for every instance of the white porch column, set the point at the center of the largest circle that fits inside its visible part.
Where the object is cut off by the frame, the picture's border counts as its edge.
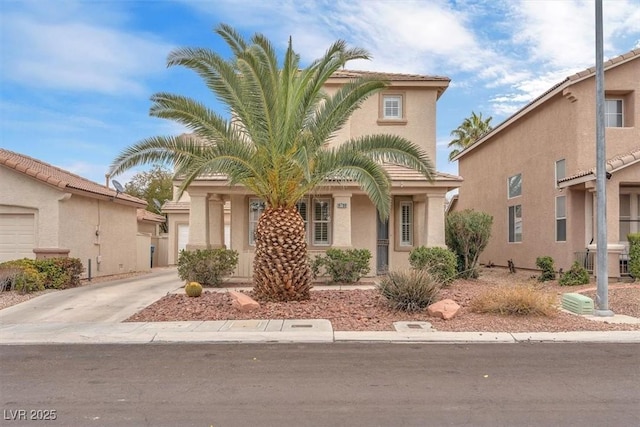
(420, 215)
(216, 221)
(435, 220)
(198, 222)
(342, 220)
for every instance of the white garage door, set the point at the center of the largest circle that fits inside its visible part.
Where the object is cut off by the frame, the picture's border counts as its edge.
(17, 236)
(183, 236)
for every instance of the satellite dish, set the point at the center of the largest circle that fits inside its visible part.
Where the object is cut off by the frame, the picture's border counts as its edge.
(119, 188)
(158, 204)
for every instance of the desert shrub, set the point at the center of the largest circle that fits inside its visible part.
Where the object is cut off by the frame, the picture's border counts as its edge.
(467, 234)
(410, 290)
(634, 255)
(343, 266)
(24, 275)
(60, 272)
(577, 275)
(207, 266)
(514, 300)
(441, 262)
(545, 263)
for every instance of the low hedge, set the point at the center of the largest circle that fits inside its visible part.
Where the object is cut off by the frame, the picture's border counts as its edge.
(30, 275)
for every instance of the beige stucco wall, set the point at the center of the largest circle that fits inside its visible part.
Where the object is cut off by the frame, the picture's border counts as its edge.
(562, 128)
(419, 126)
(69, 221)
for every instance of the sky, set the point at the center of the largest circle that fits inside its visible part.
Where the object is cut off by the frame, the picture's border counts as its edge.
(76, 76)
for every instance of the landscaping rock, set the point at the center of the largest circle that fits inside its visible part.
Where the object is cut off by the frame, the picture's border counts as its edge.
(445, 309)
(243, 302)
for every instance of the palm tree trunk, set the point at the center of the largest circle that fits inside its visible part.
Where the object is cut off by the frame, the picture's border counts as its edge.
(281, 270)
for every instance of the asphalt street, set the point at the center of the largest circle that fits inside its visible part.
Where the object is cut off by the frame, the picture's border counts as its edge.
(221, 385)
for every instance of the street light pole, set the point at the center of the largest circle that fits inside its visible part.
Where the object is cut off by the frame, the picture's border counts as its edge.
(602, 294)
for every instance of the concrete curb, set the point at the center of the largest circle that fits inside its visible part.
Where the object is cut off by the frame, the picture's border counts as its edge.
(272, 331)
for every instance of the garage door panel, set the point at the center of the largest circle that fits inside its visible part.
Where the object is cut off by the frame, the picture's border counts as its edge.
(17, 236)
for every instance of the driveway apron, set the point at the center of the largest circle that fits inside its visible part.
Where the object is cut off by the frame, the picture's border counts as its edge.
(101, 302)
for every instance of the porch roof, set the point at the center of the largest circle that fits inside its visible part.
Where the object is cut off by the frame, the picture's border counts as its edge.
(613, 165)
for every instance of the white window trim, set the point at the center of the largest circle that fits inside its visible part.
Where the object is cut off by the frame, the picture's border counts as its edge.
(315, 221)
(409, 224)
(399, 99)
(306, 201)
(509, 196)
(560, 218)
(251, 230)
(616, 114)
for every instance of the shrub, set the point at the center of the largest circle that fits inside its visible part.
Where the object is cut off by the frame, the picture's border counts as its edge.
(577, 275)
(545, 263)
(514, 300)
(344, 266)
(23, 275)
(193, 289)
(61, 273)
(467, 234)
(634, 255)
(441, 262)
(411, 290)
(207, 266)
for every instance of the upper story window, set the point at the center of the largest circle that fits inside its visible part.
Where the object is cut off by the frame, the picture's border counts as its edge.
(514, 186)
(613, 113)
(561, 170)
(392, 109)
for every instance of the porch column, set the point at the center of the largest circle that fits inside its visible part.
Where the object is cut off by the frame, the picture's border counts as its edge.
(420, 215)
(216, 221)
(435, 220)
(198, 222)
(342, 220)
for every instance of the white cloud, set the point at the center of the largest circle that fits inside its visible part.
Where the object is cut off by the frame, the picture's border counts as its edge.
(80, 56)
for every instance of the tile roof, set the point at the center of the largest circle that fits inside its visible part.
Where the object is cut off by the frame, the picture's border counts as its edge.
(145, 215)
(613, 164)
(60, 178)
(401, 173)
(389, 76)
(171, 206)
(568, 81)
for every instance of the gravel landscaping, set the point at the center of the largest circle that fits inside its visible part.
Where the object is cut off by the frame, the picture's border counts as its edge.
(365, 310)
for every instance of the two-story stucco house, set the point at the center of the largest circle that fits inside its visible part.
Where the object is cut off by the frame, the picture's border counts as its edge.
(535, 172)
(338, 215)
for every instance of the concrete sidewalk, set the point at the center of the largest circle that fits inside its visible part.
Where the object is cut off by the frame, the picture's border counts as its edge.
(94, 314)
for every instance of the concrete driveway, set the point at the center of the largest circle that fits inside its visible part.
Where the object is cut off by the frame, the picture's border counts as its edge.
(101, 302)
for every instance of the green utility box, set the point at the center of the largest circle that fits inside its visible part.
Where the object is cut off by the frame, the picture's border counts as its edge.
(577, 303)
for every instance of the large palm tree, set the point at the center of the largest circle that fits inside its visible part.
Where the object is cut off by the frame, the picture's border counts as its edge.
(275, 143)
(471, 128)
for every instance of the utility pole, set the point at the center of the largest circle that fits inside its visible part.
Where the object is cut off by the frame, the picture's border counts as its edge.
(602, 294)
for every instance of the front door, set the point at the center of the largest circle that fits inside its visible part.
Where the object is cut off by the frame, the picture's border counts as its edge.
(382, 253)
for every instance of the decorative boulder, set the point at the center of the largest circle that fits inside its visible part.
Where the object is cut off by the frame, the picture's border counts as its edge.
(445, 309)
(243, 302)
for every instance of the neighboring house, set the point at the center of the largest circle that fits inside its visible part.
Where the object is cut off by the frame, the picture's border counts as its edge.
(535, 172)
(149, 225)
(46, 211)
(338, 214)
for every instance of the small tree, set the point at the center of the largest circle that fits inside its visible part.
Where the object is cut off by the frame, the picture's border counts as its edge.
(634, 255)
(467, 234)
(155, 184)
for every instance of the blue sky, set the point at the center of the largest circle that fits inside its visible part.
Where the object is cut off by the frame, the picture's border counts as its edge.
(76, 76)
